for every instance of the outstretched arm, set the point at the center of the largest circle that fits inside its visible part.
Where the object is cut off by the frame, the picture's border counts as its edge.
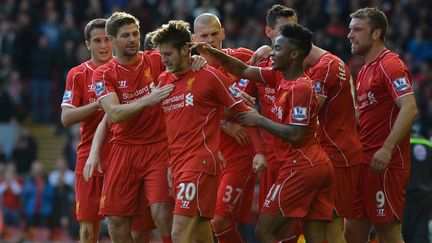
(231, 64)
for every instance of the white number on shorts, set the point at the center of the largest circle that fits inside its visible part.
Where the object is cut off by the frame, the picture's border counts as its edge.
(228, 193)
(273, 192)
(188, 190)
(380, 199)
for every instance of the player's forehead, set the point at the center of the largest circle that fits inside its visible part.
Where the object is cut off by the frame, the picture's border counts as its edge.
(127, 28)
(202, 29)
(359, 23)
(166, 47)
(97, 33)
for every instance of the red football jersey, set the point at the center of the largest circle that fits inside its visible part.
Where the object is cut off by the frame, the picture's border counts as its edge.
(337, 130)
(229, 146)
(130, 83)
(296, 104)
(79, 92)
(267, 97)
(192, 118)
(379, 85)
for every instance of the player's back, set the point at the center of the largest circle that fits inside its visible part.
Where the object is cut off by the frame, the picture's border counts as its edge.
(337, 131)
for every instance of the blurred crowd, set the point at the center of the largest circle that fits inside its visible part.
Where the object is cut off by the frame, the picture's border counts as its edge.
(40, 40)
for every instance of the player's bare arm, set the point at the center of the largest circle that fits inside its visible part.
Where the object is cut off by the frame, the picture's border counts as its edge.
(293, 134)
(99, 138)
(120, 112)
(407, 114)
(231, 64)
(73, 115)
(260, 54)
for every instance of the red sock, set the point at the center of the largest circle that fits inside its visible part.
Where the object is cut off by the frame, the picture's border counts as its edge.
(230, 235)
(167, 239)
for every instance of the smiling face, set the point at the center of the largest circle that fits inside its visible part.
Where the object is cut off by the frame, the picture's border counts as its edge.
(127, 40)
(281, 55)
(361, 36)
(100, 46)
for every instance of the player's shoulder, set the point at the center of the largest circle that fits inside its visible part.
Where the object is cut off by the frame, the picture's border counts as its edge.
(151, 55)
(240, 53)
(391, 61)
(302, 82)
(81, 68)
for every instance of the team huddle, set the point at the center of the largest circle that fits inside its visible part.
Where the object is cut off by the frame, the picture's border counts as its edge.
(175, 142)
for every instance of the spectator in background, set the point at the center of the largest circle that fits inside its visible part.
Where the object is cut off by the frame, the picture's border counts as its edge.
(41, 83)
(38, 197)
(25, 152)
(62, 180)
(11, 187)
(23, 43)
(7, 37)
(50, 28)
(420, 47)
(6, 104)
(20, 96)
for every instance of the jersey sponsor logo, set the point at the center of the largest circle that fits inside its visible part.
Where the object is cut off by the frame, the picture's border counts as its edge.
(420, 152)
(243, 82)
(67, 96)
(189, 99)
(122, 84)
(299, 113)
(371, 98)
(401, 84)
(317, 86)
(99, 88)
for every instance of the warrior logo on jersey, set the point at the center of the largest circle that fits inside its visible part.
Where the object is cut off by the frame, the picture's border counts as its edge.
(317, 86)
(401, 84)
(243, 82)
(299, 113)
(67, 96)
(122, 84)
(99, 88)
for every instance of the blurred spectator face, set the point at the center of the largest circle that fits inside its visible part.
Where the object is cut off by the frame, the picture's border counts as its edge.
(37, 170)
(212, 34)
(361, 36)
(281, 21)
(10, 171)
(100, 46)
(43, 42)
(61, 165)
(127, 40)
(2, 170)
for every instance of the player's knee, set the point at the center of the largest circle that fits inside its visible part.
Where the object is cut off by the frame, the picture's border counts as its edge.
(87, 231)
(119, 225)
(162, 215)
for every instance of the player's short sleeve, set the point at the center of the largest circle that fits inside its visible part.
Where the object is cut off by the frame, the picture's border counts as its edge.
(324, 77)
(154, 59)
(270, 77)
(397, 78)
(103, 84)
(301, 102)
(218, 82)
(74, 90)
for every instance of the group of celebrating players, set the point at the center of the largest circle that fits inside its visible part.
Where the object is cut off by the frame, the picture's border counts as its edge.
(175, 141)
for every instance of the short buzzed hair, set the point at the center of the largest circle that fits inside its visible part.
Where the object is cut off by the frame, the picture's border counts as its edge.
(117, 20)
(94, 24)
(278, 11)
(176, 32)
(298, 34)
(207, 19)
(376, 17)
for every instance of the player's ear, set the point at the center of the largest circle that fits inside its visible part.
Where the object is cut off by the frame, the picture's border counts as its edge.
(193, 37)
(268, 31)
(185, 50)
(376, 34)
(87, 44)
(222, 34)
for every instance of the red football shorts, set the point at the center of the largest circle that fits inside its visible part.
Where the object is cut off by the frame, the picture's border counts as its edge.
(385, 194)
(346, 182)
(236, 187)
(303, 193)
(268, 176)
(136, 178)
(195, 194)
(87, 197)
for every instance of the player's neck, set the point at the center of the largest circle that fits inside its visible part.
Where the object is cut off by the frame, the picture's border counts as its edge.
(374, 52)
(184, 68)
(313, 57)
(127, 60)
(293, 72)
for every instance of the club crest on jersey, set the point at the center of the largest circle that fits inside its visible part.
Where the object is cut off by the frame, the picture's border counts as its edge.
(99, 88)
(401, 84)
(67, 96)
(317, 86)
(243, 82)
(299, 113)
